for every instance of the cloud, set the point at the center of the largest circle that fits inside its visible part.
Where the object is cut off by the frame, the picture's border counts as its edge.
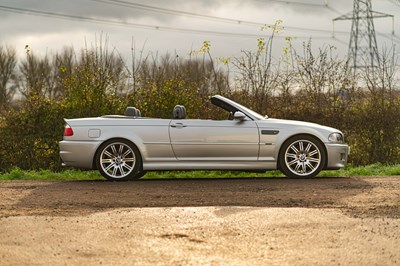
(46, 33)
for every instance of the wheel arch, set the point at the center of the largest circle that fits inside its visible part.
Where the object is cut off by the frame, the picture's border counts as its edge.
(325, 151)
(94, 165)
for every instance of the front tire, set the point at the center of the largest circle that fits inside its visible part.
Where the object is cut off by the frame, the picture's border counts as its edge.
(140, 174)
(118, 160)
(302, 156)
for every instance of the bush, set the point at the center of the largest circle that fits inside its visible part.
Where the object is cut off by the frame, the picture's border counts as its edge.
(30, 136)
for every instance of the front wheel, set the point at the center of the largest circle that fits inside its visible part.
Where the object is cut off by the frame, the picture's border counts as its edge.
(302, 156)
(118, 160)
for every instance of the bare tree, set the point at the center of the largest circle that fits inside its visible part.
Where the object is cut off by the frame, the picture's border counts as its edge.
(324, 82)
(8, 62)
(35, 77)
(256, 73)
(63, 66)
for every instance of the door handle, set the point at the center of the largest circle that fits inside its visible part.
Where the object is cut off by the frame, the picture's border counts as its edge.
(179, 125)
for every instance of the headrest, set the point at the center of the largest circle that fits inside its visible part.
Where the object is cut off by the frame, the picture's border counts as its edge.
(179, 112)
(132, 111)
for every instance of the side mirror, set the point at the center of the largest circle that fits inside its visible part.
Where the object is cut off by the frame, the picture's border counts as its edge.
(239, 116)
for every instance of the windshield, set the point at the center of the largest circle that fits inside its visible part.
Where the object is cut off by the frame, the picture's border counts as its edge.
(255, 114)
(232, 106)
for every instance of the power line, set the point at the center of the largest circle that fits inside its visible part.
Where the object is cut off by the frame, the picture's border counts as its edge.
(230, 20)
(162, 28)
(324, 5)
(123, 23)
(137, 25)
(292, 3)
(170, 11)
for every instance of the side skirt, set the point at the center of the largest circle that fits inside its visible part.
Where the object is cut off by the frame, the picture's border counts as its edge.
(190, 165)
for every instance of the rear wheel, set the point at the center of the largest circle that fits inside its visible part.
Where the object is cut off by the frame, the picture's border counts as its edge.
(119, 160)
(302, 156)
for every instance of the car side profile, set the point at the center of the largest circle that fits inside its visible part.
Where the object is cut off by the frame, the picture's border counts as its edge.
(125, 147)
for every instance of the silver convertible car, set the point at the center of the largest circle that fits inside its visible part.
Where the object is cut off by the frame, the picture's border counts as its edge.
(125, 147)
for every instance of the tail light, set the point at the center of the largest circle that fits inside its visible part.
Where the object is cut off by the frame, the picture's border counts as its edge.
(68, 131)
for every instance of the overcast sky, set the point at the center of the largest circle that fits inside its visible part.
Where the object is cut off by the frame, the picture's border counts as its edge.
(168, 30)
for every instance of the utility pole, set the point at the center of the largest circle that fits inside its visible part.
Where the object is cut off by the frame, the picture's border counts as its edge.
(363, 48)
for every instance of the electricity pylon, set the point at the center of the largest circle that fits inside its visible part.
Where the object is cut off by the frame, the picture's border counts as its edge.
(363, 48)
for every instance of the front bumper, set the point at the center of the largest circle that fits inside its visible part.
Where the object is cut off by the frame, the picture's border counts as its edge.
(78, 154)
(337, 155)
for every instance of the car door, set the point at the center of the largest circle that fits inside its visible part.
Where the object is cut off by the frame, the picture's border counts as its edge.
(214, 140)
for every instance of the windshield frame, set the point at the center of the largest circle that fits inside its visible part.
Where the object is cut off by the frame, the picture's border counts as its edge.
(232, 106)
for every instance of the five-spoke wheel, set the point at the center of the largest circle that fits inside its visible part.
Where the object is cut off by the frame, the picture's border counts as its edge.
(119, 160)
(302, 156)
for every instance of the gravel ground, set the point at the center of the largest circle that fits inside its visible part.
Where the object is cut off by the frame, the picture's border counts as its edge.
(322, 221)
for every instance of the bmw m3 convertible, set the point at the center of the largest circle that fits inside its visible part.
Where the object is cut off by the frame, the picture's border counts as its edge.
(125, 147)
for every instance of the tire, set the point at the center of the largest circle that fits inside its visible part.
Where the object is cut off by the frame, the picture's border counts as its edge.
(119, 160)
(140, 174)
(302, 156)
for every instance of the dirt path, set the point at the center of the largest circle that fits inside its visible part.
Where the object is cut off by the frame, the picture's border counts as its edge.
(325, 221)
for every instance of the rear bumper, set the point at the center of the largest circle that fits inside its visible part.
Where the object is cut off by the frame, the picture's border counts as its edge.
(337, 156)
(78, 154)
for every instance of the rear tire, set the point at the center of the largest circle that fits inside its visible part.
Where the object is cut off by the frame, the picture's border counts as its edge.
(302, 156)
(119, 160)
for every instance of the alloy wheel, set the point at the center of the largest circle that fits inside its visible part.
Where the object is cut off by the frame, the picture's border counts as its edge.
(302, 157)
(117, 160)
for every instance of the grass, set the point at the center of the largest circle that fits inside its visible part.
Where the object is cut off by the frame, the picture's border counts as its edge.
(18, 174)
(369, 170)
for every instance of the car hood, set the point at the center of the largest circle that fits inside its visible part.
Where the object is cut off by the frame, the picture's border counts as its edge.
(282, 123)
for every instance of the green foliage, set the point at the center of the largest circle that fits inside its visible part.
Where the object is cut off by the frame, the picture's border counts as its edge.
(159, 101)
(94, 85)
(30, 136)
(88, 95)
(373, 130)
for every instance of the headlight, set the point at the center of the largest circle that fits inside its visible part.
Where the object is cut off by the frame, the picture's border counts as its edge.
(336, 137)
